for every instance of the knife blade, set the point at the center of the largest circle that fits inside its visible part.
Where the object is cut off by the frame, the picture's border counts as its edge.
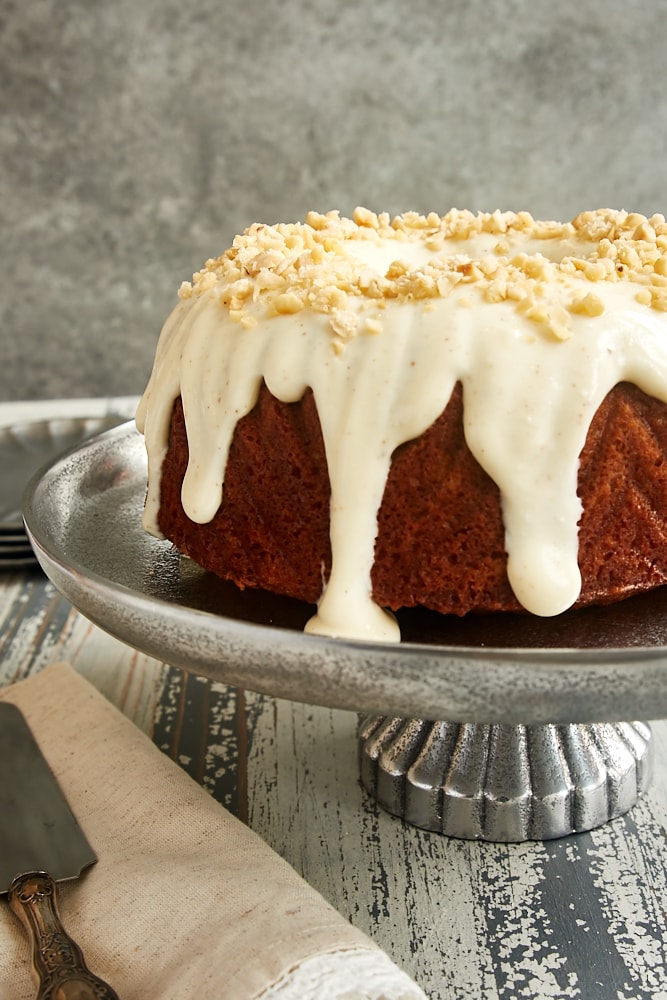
(41, 844)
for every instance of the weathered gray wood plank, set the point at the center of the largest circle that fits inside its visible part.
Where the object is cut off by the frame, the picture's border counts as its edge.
(581, 918)
(38, 626)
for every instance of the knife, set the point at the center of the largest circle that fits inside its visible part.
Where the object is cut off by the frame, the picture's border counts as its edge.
(41, 844)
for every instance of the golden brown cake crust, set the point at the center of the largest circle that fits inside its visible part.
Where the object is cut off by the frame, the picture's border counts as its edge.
(440, 537)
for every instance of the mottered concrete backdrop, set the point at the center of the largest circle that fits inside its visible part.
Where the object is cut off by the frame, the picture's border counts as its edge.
(136, 138)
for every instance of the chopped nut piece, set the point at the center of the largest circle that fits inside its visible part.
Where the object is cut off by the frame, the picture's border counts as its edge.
(595, 270)
(344, 323)
(645, 231)
(607, 249)
(588, 305)
(628, 255)
(288, 302)
(496, 291)
(488, 266)
(364, 217)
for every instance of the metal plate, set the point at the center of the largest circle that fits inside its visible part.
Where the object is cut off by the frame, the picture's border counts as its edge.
(26, 446)
(84, 519)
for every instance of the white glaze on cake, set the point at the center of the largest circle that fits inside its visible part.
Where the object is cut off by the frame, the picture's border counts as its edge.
(381, 318)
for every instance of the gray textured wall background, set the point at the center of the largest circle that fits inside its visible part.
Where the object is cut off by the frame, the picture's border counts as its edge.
(138, 136)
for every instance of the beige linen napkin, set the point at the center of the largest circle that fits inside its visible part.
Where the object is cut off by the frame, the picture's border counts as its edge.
(184, 901)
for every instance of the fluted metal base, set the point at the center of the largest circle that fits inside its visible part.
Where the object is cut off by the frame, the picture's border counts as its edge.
(501, 782)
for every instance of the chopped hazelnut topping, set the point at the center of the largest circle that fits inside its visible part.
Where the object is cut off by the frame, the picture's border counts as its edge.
(660, 266)
(588, 305)
(345, 324)
(288, 302)
(286, 268)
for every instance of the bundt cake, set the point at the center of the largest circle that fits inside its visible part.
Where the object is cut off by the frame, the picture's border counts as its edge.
(463, 412)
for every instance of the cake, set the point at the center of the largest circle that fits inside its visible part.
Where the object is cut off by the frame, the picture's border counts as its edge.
(463, 412)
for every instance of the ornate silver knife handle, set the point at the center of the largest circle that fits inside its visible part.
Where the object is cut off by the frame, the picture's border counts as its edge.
(57, 960)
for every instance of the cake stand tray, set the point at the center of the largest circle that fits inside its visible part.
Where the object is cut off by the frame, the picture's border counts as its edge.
(499, 727)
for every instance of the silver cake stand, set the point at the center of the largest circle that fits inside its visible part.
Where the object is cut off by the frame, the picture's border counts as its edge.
(503, 728)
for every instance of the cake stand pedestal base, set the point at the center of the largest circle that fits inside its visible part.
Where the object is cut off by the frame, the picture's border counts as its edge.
(504, 783)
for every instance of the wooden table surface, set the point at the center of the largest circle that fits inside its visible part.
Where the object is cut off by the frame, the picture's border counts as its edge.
(581, 917)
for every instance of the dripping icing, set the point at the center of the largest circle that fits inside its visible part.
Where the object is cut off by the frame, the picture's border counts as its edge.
(533, 376)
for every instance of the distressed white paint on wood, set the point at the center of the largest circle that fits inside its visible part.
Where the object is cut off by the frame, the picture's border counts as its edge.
(38, 627)
(580, 918)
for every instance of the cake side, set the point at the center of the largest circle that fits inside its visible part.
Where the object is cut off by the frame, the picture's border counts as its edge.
(271, 531)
